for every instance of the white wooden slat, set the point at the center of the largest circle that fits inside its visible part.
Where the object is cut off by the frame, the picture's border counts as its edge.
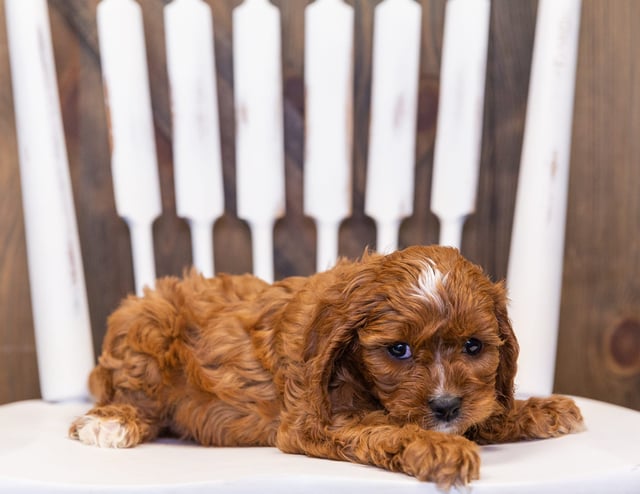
(134, 163)
(460, 108)
(328, 130)
(56, 277)
(394, 88)
(196, 133)
(259, 125)
(537, 245)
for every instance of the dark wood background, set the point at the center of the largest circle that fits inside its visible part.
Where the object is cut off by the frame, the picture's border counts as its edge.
(599, 343)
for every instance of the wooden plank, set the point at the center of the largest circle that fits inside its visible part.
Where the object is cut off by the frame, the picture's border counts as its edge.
(537, 243)
(259, 125)
(56, 275)
(488, 232)
(599, 292)
(599, 345)
(134, 161)
(196, 133)
(457, 150)
(394, 97)
(172, 241)
(18, 368)
(104, 237)
(328, 136)
(359, 230)
(422, 227)
(232, 238)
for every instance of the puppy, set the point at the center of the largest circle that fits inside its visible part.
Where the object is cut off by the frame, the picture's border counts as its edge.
(403, 361)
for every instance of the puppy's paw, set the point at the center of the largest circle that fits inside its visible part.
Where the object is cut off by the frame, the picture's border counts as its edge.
(447, 460)
(103, 432)
(552, 417)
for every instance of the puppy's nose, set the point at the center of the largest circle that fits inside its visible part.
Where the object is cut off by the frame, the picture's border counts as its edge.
(446, 408)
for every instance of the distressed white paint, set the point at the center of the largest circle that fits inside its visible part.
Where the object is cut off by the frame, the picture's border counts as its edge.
(259, 125)
(196, 134)
(133, 153)
(394, 98)
(460, 108)
(328, 112)
(56, 277)
(537, 246)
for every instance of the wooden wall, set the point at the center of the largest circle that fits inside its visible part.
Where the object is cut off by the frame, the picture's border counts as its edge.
(599, 345)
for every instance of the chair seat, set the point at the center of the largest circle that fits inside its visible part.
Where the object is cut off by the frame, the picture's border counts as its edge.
(36, 456)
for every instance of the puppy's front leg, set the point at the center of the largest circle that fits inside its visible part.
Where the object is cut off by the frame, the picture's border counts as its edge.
(539, 418)
(427, 455)
(535, 418)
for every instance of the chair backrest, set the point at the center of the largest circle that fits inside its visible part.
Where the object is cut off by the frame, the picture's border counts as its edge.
(61, 319)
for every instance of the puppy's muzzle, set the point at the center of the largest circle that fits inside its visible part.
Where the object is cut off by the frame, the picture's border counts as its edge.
(446, 408)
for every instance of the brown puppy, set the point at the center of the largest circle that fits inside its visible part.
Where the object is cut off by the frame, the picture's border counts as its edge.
(402, 361)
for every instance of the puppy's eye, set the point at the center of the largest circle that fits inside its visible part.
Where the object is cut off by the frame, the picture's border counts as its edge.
(400, 350)
(473, 346)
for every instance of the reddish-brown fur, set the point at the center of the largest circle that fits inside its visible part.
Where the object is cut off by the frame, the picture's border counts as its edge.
(304, 365)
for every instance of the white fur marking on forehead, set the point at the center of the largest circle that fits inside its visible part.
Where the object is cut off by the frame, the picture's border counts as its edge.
(430, 284)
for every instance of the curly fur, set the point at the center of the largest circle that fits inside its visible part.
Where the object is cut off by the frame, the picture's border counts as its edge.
(305, 364)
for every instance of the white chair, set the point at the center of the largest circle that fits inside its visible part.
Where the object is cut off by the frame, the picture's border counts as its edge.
(35, 454)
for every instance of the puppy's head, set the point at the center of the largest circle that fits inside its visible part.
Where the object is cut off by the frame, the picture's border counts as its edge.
(422, 334)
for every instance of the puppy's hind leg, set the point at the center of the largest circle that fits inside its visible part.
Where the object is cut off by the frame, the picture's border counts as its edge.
(116, 425)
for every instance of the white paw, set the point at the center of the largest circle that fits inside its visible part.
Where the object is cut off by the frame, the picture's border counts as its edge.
(105, 433)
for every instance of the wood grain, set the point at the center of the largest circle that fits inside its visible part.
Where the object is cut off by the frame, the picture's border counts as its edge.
(18, 368)
(599, 346)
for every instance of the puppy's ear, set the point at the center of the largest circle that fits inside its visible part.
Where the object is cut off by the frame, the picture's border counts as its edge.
(332, 336)
(508, 351)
